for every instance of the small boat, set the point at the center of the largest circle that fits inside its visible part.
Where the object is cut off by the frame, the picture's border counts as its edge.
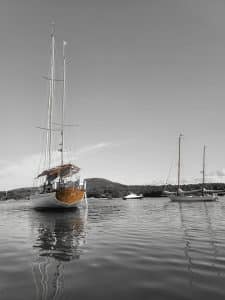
(61, 186)
(132, 196)
(194, 195)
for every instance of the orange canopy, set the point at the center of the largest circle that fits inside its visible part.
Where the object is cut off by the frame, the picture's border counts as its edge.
(60, 171)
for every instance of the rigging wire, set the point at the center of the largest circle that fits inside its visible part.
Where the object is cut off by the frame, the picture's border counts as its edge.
(169, 173)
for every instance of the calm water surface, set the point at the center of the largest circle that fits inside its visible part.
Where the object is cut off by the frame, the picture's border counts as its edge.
(135, 249)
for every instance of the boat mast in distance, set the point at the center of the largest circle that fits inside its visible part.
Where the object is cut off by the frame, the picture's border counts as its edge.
(179, 162)
(51, 97)
(63, 102)
(62, 108)
(203, 170)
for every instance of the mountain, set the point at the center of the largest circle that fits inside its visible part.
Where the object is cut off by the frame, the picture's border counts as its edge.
(21, 193)
(100, 187)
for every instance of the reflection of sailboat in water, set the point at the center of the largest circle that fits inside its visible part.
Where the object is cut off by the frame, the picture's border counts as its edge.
(59, 239)
(199, 239)
(187, 248)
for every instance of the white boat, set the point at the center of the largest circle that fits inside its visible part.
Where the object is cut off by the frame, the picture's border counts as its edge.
(133, 196)
(60, 189)
(194, 195)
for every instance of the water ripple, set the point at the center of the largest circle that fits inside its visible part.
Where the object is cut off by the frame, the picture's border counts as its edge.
(138, 249)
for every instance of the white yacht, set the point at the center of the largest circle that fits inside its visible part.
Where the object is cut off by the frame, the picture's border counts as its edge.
(133, 196)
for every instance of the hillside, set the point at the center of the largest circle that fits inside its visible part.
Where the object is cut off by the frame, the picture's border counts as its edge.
(98, 187)
(17, 194)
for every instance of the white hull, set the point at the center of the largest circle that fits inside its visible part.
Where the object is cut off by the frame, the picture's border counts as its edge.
(132, 197)
(191, 198)
(48, 200)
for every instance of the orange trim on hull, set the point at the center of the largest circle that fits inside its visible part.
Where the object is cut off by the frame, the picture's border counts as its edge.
(70, 195)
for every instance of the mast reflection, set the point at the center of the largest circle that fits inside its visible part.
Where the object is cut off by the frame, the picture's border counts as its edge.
(59, 238)
(199, 238)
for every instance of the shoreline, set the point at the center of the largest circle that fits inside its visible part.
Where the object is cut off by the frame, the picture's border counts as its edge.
(103, 188)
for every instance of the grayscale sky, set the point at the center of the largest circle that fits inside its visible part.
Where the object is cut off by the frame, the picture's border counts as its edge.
(141, 72)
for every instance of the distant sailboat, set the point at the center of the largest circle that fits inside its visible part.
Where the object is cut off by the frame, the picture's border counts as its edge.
(58, 190)
(194, 195)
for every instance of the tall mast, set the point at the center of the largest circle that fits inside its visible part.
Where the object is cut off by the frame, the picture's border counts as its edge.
(63, 101)
(51, 96)
(179, 160)
(203, 170)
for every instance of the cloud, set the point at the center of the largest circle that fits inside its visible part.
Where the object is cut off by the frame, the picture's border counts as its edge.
(216, 176)
(93, 148)
(3, 164)
(220, 173)
(21, 173)
(18, 173)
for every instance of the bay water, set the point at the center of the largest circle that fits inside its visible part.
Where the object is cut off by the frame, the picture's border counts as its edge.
(135, 249)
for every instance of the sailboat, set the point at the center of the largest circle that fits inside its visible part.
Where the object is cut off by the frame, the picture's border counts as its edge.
(59, 190)
(194, 195)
